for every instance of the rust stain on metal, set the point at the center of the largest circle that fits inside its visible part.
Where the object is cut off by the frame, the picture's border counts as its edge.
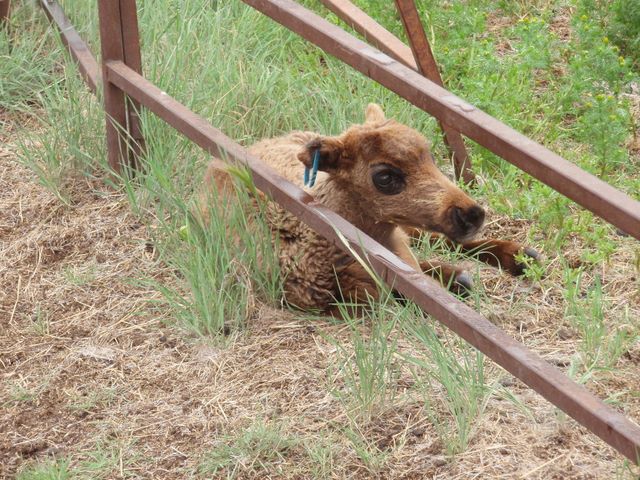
(552, 384)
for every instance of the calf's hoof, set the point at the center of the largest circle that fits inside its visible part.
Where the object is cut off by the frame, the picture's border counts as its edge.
(462, 284)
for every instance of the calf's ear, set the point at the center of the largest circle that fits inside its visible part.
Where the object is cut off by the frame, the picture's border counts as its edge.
(374, 113)
(332, 153)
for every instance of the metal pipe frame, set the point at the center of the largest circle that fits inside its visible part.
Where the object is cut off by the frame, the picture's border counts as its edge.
(429, 68)
(120, 40)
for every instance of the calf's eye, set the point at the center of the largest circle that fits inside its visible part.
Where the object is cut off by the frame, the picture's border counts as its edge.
(383, 179)
(388, 180)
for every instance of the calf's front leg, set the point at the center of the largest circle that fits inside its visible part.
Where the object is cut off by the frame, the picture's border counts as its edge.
(497, 253)
(455, 279)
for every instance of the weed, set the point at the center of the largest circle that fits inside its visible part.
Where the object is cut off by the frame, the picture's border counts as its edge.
(50, 470)
(601, 347)
(445, 362)
(322, 454)
(80, 275)
(87, 401)
(257, 449)
(227, 262)
(41, 321)
(367, 361)
(370, 455)
(19, 393)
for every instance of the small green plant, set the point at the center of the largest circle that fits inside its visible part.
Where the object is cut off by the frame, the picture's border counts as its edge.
(534, 270)
(450, 374)
(605, 124)
(370, 455)
(89, 400)
(19, 393)
(601, 346)
(367, 362)
(257, 450)
(57, 469)
(80, 275)
(323, 455)
(41, 321)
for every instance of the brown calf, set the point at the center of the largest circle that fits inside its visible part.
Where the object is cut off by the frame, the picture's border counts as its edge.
(381, 177)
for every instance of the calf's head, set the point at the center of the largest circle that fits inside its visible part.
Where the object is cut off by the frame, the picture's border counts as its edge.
(389, 170)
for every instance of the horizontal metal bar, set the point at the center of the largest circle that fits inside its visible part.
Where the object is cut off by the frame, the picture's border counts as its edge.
(556, 387)
(563, 176)
(89, 69)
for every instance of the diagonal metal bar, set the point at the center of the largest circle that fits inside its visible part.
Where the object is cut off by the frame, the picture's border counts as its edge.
(574, 399)
(89, 69)
(421, 60)
(429, 68)
(563, 176)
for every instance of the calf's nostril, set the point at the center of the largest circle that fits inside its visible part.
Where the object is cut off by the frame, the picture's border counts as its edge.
(458, 217)
(467, 220)
(475, 215)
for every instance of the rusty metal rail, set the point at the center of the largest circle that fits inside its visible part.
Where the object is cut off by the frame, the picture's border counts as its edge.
(89, 69)
(574, 399)
(550, 382)
(563, 176)
(119, 24)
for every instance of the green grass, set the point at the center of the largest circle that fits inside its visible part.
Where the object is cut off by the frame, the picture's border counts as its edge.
(367, 363)
(446, 362)
(52, 470)
(254, 79)
(226, 265)
(603, 340)
(256, 450)
(105, 460)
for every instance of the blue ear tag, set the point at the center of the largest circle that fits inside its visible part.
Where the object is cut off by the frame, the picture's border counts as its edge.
(314, 170)
(306, 176)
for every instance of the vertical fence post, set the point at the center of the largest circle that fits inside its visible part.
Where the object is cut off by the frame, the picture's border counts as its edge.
(429, 68)
(120, 41)
(4, 11)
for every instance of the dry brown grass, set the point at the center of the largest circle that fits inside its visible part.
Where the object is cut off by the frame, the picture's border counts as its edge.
(92, 370)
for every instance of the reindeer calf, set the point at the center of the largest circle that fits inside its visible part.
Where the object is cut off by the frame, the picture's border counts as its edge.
(381, 177)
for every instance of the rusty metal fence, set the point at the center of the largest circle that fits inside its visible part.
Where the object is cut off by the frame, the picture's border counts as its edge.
(401, 71)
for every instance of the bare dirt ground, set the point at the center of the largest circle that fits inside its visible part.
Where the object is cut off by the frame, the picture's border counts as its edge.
(93, 372)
